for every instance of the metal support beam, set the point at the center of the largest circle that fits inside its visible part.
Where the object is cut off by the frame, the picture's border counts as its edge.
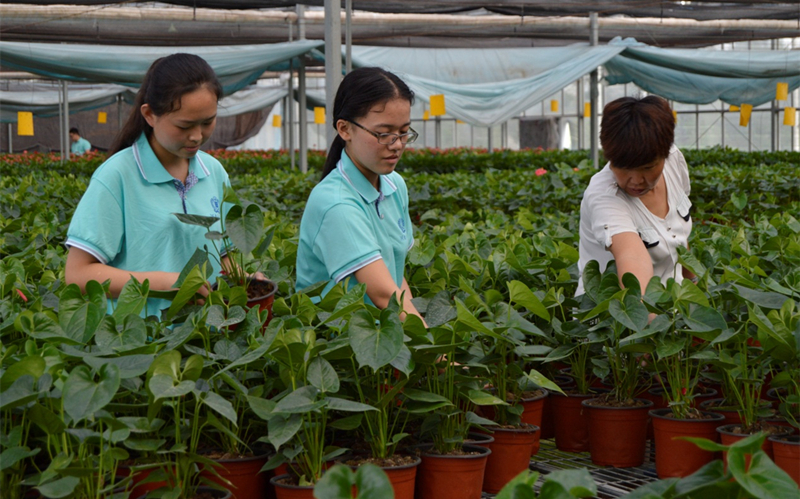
(594, 80)
(348, 35)
(290, 106)
(10, 138)
(302, 144)
(437, 132)
(333, 61)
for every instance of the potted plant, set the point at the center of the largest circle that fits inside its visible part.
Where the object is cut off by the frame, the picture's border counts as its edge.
(620, 316)
(241, 234)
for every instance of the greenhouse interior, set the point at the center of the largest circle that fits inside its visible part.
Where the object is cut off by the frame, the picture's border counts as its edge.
(564, 252)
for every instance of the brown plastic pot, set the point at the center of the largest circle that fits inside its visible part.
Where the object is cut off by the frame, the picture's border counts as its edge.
(403, 478)
(208, 491)
(618, 435)
(571, 421)
(787, 455)
(137, 487)
(511, 455)
(244, 474)
(656, 396)
(477, 438)
(532, 411)
(728, 436)
(264, 302)
(452, 477)
(679, 458)
(287, 491)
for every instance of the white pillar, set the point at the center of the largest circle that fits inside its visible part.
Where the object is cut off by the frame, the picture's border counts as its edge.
(333, 61)
(302, 144)
(593, 125)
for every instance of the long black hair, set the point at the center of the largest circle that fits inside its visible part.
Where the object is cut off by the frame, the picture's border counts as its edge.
(168, 79)
(359, 91)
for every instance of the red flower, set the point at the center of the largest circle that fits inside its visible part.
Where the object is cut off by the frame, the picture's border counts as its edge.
(540, 171)
(683, 391)
(22, 295)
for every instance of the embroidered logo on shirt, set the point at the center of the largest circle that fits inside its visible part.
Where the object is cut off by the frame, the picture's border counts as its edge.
(215, 204)
(402, 224)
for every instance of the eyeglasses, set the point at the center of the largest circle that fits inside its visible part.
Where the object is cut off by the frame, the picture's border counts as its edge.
(390, 138)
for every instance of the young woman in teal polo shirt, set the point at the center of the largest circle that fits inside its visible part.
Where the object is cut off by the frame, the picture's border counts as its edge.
(124, 224)
(356, 223)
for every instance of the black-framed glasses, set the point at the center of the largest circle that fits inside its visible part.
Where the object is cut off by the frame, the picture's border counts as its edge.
(388, 139)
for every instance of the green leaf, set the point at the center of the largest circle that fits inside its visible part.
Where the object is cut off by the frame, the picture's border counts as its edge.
(19, 393)
(520, 487)
(59, 488)
(337, 483)
(522, 295)
(131, 300)
(578, 483)
(372, 483)
(193, 282)
(32, 365)
(83, 397)
(300, 401)
(222, 406)
(765, 299)
(542, 381)
(404, 362)
(205, 222)
(704, 319)
(281, 429)
(322, 375)
(739, 200)
(47, 420)
(479, 397)
(130, 366)
(245, 227)
(375, 347)
(164, 386)
(440, 310)
(13, 455)
(217, 316)
(337, 404)
(631, 313)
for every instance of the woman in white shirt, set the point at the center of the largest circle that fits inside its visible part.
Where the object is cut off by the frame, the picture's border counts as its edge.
(636, 209)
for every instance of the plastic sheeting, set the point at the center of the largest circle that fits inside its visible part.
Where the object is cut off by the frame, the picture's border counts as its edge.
(698, 76)
(42, 99)
(236, 65)
(486, 87)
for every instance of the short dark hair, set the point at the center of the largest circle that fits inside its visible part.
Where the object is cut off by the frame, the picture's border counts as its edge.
(167, 80)
(74, 130)
(637, 131)
(358, 92)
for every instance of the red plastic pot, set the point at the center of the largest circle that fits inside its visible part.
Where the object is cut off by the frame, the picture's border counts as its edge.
(656, 396)
(532, 412)
(618, 435)
(679, 458)
(452, 477)
(511, 455)
(244, 474)
(786, 450)
(402, 478)
(287, 491)
(571, 421)
(728, 436)
(264, 302)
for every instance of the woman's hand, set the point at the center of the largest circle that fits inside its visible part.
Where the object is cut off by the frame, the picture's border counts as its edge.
(381, 287)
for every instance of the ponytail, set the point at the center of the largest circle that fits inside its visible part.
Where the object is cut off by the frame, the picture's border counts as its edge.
(334, 155)
(359, 91)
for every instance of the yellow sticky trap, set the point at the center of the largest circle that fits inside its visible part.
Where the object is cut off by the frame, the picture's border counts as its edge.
(24, 123)
(319, 115)
(734, 109)
(587, 110)
(426, 115)
(790, 116)
(744, 114)
(554, 106)
(277, 120)
(782, 91)
(102, 117)
(675, 115)
(460, 122)
(437, 105)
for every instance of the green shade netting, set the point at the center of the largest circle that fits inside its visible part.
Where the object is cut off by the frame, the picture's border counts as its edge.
(486, 87)
(702, 76)
(42, 99)
(236, 65)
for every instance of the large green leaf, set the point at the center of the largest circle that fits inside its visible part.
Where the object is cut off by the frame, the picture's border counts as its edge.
(281, 429)
(47, 420)
(631, 313)
(11, 456)
(220, 405)
(131, 300)
(199, 220)
(300, 401)
(577, 483)
(193, 282)
(372, 483)
(245, 227)
(765, 299)
(57, 489)
(83, 396)
(338, 483)
(703, 319)
(337, 404)
(322, 375)
(31, 365)
(440, 310)
(375, 346)
(522, 295)
(163, 386)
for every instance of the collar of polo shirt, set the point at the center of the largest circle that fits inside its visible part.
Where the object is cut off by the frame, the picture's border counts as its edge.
(365, 189)
(151, 168)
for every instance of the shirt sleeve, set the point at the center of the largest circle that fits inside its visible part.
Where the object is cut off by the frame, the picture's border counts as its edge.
(345, 242)
(608, 215)
(97, 226)
(683, 171)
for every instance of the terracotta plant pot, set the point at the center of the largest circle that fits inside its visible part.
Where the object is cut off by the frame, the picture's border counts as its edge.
(786, 450)
(728, 436)
(702, 394)
(618, 435)
(263, 301)
(679, 458)
(656, 396)
(511, 455)
(208, 491)
(287, 491)
(244, 474)
(138, 488)
(452, 477)
(731, 413)
(481, 439)
(571, 421)
(532, 410)
(403, 478)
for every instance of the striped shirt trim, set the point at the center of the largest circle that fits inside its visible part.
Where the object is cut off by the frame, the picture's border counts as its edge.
(138, 159)
(411, 245)
(353, 268)
(341, 170)
(202, 165)
(386, 178)
(91, 251)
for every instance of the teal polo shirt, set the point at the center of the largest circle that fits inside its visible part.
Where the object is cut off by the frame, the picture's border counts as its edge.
(80, 146)
(348, 224)
(125, 219)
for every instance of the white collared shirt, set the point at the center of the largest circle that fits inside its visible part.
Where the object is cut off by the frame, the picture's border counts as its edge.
(606, 210)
